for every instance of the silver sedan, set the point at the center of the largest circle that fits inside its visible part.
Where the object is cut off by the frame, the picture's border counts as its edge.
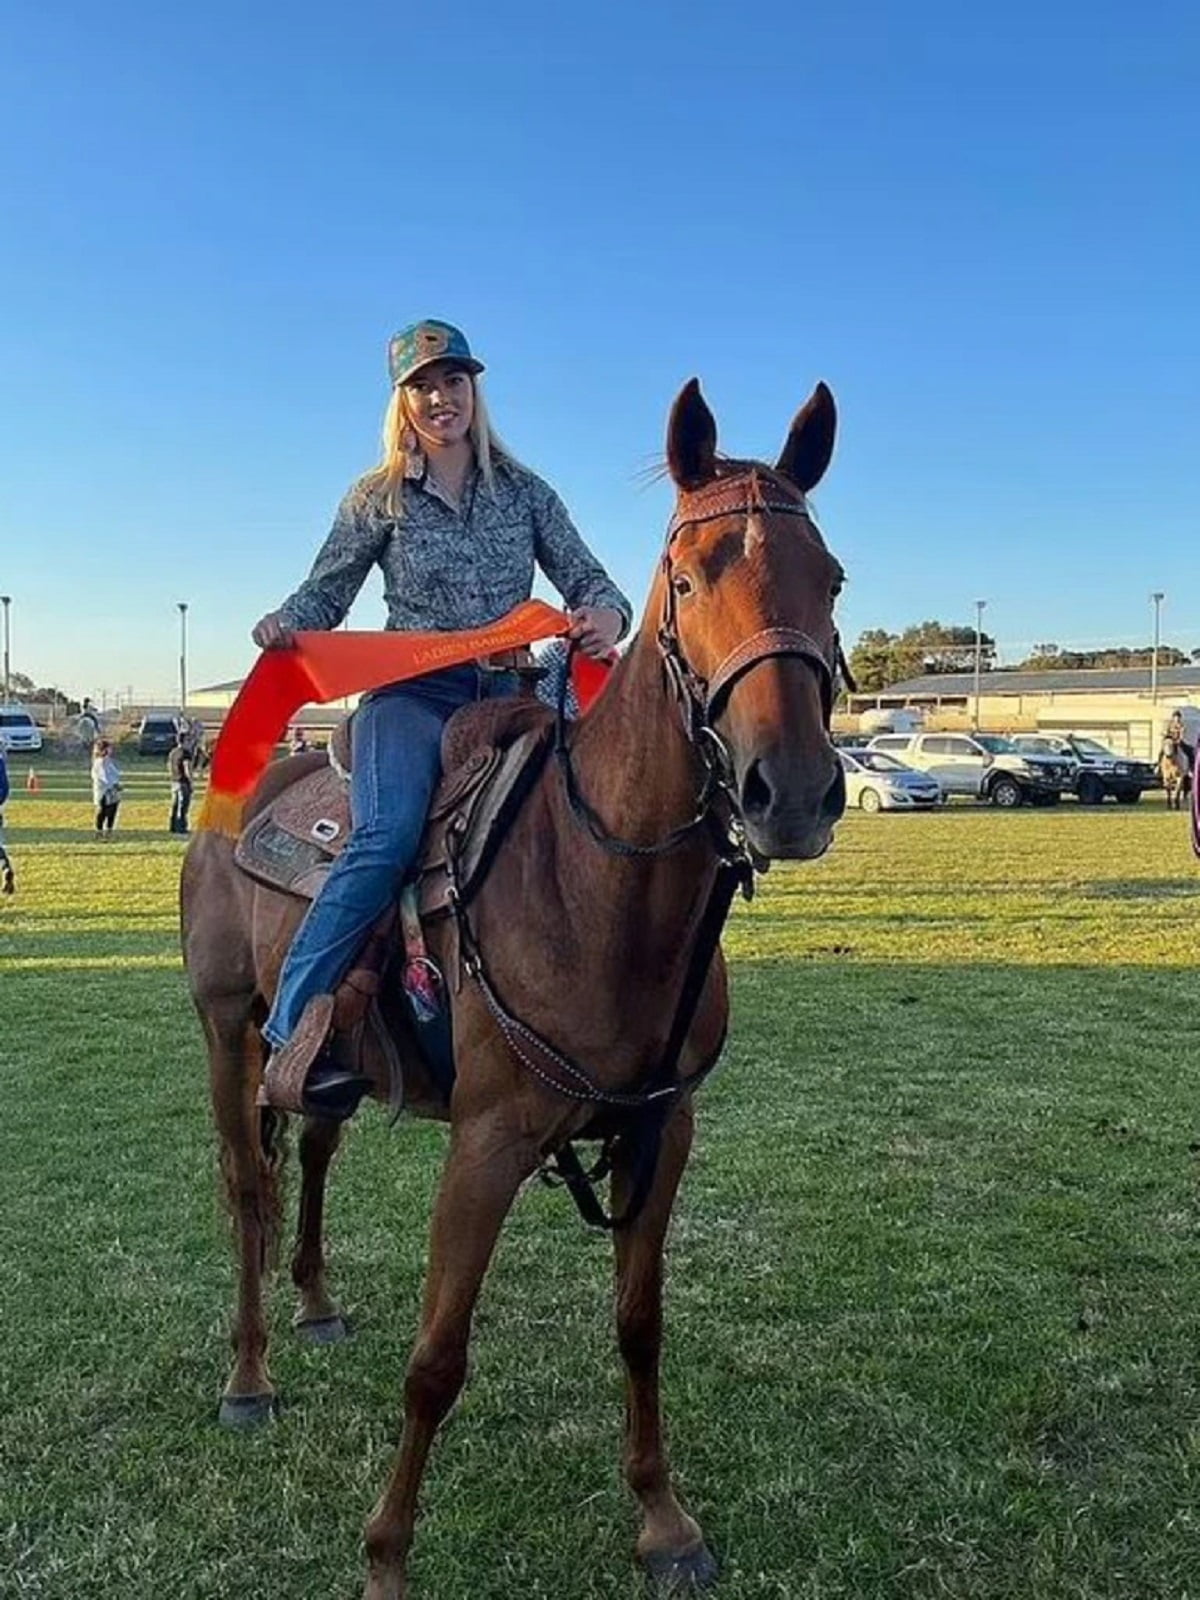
(876, 781)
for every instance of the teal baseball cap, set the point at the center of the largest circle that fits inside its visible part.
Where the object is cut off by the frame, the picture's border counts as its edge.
(425, 342)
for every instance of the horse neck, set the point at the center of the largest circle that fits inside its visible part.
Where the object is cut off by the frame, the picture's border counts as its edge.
(630, 753)
(638, 772)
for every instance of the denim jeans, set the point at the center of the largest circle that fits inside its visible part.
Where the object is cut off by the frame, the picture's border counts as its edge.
(395, 766)
(181, 799)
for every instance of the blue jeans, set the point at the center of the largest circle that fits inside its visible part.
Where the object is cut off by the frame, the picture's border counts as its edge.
(395, 766)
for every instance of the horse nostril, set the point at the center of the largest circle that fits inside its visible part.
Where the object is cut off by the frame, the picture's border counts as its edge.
(756, 792)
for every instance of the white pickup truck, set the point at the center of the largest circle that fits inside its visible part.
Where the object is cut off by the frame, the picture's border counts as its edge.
(982, 764)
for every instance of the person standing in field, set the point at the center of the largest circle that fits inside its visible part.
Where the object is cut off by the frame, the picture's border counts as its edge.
(8, 880)
(106, 788)
(179, 766)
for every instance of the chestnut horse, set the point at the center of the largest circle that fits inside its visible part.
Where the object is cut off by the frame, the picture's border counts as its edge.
(586, 926)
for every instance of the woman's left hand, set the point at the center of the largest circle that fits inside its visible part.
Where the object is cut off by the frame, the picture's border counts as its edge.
(595, 629)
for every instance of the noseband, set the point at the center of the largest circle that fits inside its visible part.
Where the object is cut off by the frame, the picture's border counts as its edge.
(701, 700)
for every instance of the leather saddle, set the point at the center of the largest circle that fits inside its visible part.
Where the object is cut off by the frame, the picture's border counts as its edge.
(492, 753)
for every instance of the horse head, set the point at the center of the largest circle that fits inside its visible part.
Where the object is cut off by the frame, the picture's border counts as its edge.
(746, 627)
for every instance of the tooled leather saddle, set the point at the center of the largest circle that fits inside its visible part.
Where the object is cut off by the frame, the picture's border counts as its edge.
(492, 753)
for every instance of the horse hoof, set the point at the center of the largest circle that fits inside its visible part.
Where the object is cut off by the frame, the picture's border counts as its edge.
(322, 1330)
(247, 1410)
(695, 1569)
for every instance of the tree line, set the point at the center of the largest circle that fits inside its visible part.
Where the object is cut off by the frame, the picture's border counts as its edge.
(880, 658)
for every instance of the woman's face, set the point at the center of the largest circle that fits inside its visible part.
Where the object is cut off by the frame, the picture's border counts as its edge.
(440, 400)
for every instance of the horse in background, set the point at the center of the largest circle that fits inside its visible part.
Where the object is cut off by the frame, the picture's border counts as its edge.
(1173, 771)
(710, 744)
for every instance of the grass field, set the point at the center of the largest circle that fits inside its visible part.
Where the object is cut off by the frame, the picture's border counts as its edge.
(934, 1306)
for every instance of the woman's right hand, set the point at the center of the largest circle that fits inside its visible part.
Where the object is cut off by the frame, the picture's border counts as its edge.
(272, 632)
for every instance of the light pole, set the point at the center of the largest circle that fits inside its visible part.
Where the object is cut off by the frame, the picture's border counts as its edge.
(5, 601)
(183, 610)
(1157, 597)
(979, 605)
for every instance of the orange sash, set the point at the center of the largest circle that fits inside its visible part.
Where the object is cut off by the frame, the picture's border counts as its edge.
(324, 666)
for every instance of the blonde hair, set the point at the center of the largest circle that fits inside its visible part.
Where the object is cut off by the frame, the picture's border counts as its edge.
(400, 445)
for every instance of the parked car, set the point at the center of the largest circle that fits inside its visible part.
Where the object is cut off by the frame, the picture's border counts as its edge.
(876, 781)
(1098, 771)
(157, 733)
(20, 731)
(983, 765)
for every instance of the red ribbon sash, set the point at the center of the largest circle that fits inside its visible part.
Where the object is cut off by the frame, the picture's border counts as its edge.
(324, 666)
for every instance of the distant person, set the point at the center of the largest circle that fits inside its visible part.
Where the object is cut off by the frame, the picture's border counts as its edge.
(106, 787)
(87, 723)
(8, 881)
(299, 743)
(197, 752)
(1177, 729)
(179, 768)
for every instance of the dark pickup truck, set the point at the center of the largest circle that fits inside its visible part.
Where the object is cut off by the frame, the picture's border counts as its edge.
(1099, 772)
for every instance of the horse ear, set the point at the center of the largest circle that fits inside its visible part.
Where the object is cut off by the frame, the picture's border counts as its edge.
(691, 438)
(809, 445)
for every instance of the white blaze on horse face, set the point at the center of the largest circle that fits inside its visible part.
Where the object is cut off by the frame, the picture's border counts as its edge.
(755, 533)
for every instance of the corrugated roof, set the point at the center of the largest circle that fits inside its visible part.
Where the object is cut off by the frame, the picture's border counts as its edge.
(1086, 680)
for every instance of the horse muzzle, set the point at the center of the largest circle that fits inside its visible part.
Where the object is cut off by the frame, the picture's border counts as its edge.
(789, 808)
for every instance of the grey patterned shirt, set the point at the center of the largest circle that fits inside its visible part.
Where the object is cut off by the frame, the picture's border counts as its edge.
(447, 568)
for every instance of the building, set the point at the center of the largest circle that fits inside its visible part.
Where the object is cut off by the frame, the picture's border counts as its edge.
(1113, 705)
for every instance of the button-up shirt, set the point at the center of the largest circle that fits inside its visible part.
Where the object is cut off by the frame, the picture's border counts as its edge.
(448, 567)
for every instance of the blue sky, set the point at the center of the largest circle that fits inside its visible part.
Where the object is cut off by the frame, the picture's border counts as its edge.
(978, 225)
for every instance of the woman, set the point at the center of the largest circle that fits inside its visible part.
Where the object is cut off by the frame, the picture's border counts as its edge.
(456, 525)
(106, 787)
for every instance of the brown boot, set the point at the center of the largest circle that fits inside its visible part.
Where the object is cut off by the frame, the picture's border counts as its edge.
(302, 1075)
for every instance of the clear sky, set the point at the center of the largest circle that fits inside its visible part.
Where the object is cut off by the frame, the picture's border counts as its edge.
(978, 223)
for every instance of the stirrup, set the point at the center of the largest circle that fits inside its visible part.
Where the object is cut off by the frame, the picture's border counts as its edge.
(303, 1078)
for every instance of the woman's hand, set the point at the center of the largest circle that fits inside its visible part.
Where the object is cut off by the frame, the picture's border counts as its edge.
(595, 629)
(272, 633)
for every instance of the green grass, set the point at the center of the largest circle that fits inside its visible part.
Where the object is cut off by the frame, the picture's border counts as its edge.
(934, 1302)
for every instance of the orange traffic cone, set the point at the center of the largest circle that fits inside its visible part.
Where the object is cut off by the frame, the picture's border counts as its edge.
(33, 783)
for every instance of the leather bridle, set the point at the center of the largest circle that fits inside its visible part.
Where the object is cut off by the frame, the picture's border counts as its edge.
(741, 495)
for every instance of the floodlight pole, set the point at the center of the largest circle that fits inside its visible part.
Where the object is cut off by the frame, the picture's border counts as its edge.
(183, 611)
(1157, 597)
(979, 605)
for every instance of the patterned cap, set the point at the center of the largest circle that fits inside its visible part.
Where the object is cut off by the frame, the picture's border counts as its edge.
(425, 342)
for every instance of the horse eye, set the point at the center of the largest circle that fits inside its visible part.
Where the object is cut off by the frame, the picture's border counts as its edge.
(682, 585)
(837, 586)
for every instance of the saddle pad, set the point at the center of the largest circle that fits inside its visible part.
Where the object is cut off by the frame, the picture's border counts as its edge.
(291, 843)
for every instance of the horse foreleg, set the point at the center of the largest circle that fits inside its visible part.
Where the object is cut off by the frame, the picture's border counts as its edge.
(487, 1162)
(670, 1546)
(249, 1163)
(317, 1318)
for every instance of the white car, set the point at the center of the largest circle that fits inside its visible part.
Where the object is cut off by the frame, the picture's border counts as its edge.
(876, 781)
(19, 730)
